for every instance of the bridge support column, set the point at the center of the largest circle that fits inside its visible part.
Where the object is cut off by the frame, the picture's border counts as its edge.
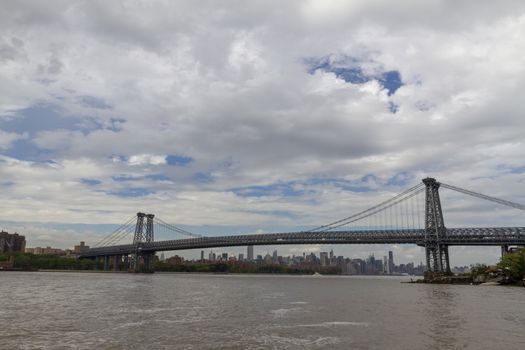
(504, 249)
(116, 262)
(444, 249)
(149, 260)
(435, 232)
(106, 263)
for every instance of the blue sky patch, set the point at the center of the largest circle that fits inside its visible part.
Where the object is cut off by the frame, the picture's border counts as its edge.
(26, 150)
(202, 177)
(91, 182)
(40, 117)
(517, 170)
(349, 70)
(391, 81)
(46, 117)
(157, 177)
(290, 189)
(123, 178)
(281, 189)
(154, 177)
(132, 192)
(400, 180)
(94, 102)
(175, 160)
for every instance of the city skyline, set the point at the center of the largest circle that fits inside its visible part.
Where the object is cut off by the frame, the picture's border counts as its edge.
(369, 265)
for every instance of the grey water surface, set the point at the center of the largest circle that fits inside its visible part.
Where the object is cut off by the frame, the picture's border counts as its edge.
(69, 310)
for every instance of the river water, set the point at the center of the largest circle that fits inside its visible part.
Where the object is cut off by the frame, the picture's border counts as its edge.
(55, 310)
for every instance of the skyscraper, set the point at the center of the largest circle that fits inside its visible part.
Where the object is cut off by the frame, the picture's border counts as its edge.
(250, 253)
(323, 256)
(390, 262)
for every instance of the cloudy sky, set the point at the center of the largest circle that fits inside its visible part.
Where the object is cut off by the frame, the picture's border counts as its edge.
(232, 116)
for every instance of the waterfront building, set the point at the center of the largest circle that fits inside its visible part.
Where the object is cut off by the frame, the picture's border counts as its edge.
(10, 243)
(46, 251)
(81, 248)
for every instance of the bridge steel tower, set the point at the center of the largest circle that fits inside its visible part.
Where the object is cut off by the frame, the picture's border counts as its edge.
(435, 232)
(143, 262)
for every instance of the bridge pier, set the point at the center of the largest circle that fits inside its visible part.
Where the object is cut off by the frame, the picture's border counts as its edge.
(116, 262)
(435, 232)
(149, 262)
(447, 259)
(504, 249)
(106, 263)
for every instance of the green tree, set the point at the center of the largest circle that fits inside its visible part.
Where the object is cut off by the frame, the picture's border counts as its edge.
(478, 270)
(513, 265)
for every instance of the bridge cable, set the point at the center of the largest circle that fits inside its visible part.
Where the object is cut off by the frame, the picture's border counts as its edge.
(484, 196)
(114, 233)
(374, 208)
(177, 229)
(124, 234)
(367, 213)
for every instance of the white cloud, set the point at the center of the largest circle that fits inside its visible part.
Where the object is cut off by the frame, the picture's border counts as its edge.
(146, 159)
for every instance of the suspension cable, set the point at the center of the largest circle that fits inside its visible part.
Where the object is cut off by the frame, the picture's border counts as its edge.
(115, 233)
(350, 218)
(484, 196)
(176, 229)
(368, 213)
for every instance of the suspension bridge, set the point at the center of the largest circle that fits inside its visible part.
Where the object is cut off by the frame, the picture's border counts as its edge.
(414, 216)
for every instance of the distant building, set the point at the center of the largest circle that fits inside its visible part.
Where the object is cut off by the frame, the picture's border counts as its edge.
(241, 257)
(323, 256)
(202, 255)
(10, 243)
(46, 251)
(81, 248)
(391, 266)
(250, 253)
(274, 257)
(175, 260)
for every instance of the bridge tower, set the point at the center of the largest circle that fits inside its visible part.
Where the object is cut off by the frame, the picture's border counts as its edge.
(143, 234)
(435, 232)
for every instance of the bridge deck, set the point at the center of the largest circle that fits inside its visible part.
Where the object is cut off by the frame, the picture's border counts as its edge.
(455, 236)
